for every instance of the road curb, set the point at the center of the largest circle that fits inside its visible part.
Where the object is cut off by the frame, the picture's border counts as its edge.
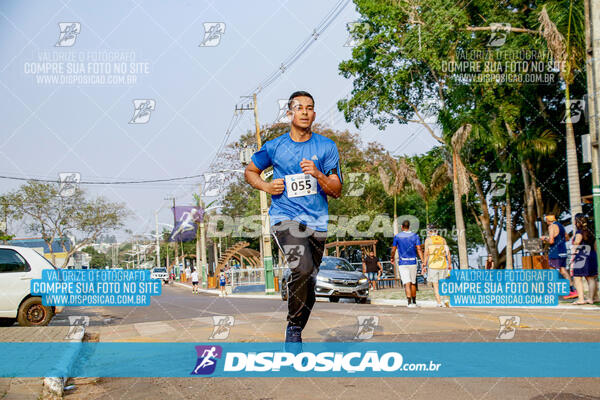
(274, 296)
(54, 386)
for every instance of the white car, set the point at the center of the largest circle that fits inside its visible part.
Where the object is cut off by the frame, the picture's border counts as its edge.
(18, 266)
(159, 273)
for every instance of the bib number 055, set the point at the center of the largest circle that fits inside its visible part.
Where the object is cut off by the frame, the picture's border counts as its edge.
(300, 185)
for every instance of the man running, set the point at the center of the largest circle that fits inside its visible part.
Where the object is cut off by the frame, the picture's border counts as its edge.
(437, 261)
(195, 282)
(557, 254)
(306, 170)
(408, 245)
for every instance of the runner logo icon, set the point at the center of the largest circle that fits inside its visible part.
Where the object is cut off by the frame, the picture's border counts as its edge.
(68, 33)
(207, 359)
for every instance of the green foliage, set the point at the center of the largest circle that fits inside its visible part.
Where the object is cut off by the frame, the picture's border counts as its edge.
(98, 260)
(241, 200)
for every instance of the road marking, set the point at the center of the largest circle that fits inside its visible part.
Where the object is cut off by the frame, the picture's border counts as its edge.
(153, 328)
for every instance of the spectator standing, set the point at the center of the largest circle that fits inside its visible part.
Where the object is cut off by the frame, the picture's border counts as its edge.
(372, 268)
(584, 264)
(557, 254)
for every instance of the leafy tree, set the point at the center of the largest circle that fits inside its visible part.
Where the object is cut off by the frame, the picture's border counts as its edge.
(52, 216)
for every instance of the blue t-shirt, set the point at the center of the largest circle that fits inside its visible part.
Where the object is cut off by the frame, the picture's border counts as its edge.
(285, 155)
(405, 242)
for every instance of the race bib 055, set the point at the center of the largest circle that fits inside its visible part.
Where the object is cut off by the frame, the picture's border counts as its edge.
(300, 185)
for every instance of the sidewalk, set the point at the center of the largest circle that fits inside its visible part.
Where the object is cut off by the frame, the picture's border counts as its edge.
(30, 388)
(390, 297)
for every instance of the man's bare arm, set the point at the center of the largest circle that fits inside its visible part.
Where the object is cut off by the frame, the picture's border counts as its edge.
(420, 253)
(331, 185)
(552, 233)
(252, 175)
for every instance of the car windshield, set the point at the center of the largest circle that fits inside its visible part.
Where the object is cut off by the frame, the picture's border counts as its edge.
(160, 270)
(339, 264)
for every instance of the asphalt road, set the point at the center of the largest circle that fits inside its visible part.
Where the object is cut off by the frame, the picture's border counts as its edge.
(178, 303)
(422, 325)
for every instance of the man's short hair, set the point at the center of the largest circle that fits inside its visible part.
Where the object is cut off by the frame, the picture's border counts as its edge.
(406, 224)
(299, 93)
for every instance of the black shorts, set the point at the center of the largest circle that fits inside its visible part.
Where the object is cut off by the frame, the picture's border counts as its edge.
(302, 248)
(194, 283)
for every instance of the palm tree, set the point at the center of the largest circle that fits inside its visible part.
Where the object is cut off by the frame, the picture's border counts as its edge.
(460, 187)
(430, 188)
(570, 53)
(394, 181)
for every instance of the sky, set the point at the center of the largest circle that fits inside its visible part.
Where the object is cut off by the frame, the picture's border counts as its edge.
(68, 101)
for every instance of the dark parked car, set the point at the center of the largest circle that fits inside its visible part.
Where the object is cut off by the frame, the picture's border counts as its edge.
(336, 279)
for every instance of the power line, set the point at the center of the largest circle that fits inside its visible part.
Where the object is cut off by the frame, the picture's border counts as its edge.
(236, 117)
(287, 63)
(292, 58)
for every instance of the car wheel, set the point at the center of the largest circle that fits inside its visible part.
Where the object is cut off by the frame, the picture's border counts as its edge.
(334, 299)
(33, 313)
(361, 300)
(284, 294)
(7, 321)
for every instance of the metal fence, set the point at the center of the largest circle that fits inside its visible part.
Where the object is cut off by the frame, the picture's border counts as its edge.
(253, 276)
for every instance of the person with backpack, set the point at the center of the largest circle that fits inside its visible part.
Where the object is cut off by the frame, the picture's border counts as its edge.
(437, 261)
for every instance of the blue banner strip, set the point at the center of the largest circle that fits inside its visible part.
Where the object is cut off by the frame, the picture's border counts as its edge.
(340, 359)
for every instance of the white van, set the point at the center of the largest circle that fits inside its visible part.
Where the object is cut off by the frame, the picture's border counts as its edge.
(18, 266)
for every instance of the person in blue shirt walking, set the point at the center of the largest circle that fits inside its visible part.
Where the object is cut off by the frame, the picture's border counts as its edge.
(223, 284)
(408, 245)
(306, 169)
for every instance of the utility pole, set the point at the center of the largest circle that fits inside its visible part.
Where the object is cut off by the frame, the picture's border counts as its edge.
(201, 243)
(265, 240)
(157, 239)
(592, 41)
(176, 249)
(509, 242)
